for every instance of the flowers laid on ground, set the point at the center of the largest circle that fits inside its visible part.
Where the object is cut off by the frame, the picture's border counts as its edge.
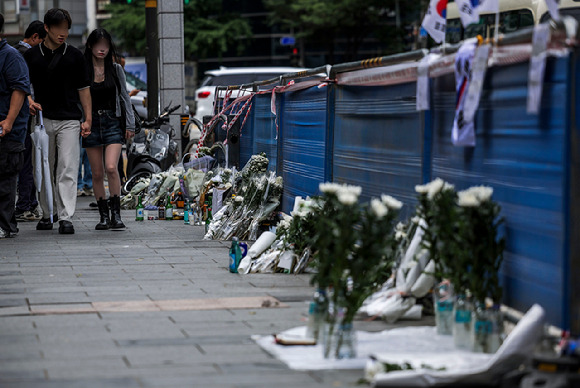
(257, 196)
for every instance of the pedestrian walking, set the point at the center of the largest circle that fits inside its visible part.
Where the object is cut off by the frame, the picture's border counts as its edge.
(61, 89)
(27, 204)
(14, 87)
(113, 122)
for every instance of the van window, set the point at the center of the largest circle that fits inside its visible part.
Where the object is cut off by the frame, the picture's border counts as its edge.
(509, 21)
(237, 79)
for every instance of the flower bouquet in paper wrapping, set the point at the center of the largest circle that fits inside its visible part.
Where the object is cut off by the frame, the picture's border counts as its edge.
(159, 185)
(257, 195)
(290, 249)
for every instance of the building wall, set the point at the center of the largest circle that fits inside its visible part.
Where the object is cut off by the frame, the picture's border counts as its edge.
(17, 17)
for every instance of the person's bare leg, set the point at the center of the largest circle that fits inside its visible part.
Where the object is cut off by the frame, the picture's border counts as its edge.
(112, 154)
(95, 155)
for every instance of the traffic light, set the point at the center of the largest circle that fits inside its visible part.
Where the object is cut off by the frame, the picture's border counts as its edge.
(294, 57)
(186, 2)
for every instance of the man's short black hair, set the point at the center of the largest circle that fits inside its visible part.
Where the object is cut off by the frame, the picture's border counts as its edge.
(1, 22)
(36, 27)
(55, 16)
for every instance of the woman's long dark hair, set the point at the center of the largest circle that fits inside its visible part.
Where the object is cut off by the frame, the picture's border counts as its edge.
(110, 74)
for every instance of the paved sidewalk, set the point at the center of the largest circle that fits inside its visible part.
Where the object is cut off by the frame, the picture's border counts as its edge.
(126, 309)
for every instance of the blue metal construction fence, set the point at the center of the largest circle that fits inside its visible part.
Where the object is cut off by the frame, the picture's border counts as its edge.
(372, 136)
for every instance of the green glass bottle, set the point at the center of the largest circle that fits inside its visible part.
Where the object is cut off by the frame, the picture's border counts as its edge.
(169, 208)
(139, 210)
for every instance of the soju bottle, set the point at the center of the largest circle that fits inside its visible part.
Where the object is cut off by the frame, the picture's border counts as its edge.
(208, 220)
(139, 210)
(169, 208)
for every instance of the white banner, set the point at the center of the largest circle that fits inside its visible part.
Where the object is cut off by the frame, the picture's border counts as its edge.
(463, 133)
(423, 100)
(476, 81)
(435, 22)
(537, 67)
(553, 8)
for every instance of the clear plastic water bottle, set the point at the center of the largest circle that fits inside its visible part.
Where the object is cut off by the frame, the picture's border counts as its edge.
(196, 214)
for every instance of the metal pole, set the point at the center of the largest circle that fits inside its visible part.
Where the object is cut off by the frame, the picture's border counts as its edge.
(152, 58)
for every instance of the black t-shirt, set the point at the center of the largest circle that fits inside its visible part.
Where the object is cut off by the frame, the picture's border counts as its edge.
(58, 90)
(103, 96)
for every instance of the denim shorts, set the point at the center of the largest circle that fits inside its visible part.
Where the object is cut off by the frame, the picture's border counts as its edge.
(106, 130)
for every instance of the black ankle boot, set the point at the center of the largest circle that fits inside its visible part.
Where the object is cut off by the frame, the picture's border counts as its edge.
(115, 205)
(105, 222)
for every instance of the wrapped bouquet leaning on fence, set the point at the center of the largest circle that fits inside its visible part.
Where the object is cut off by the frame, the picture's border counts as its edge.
(256, 196)
(289, 250)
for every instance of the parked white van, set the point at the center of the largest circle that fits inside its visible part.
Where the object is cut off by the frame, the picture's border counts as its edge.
(514, 15)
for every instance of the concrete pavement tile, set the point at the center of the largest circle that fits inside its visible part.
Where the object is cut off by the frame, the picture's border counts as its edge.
(9, 273)
(20, 376)
(90, 348)
(65, 308)
(18, 310)
(58, 297)
(100, 382)
(11, 301)
(8, 281)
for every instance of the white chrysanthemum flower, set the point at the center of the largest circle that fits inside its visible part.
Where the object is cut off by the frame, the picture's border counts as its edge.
(448, 186)
(400, 235)
(391, 202)
(347, 198)
(400, 226)
(378, 208)
(435, 188)
(356, 190)
(422, 189)
(416, 220)
(467, 199)
(239, 199)
(483, 193)
(329, 188)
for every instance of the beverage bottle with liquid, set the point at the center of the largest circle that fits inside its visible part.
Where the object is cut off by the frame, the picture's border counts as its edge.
(180, 200)
(208, 220)
(169, 209)
(236, 254)
(186, 212)
(161, 215)
(196, 214)
(139, 210)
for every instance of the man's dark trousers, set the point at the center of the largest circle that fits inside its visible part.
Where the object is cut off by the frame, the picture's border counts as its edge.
(11, 158)
(26, 187)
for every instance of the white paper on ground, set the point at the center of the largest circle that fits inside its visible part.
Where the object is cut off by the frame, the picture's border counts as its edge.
(421, 345)
(516, 349)
(262, 243)
(425, 282)
(407, 261)
(286, 260)
(537, 67)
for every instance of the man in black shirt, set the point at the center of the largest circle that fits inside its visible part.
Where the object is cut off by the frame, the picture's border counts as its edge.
(14, 86)
(61, 85)
(26, 207)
